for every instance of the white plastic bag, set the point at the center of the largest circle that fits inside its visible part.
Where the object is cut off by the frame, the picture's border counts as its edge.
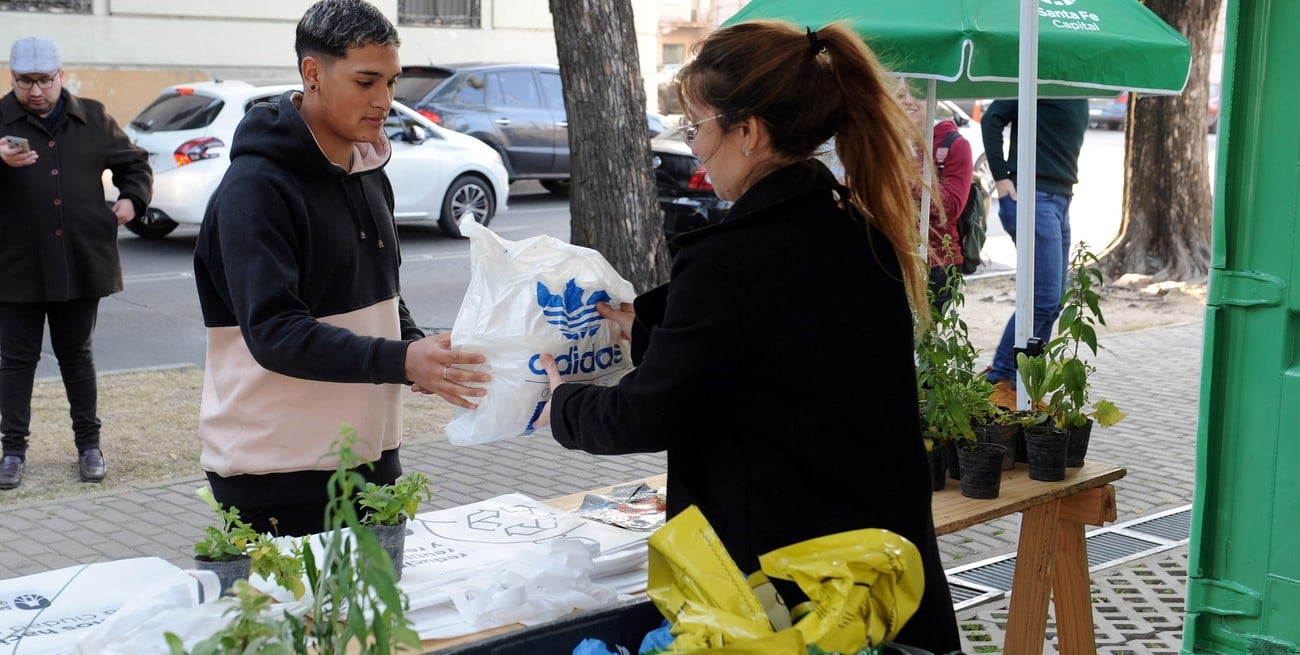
(528, 297)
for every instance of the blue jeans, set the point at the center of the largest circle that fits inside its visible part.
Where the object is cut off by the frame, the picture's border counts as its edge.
(1051, 258)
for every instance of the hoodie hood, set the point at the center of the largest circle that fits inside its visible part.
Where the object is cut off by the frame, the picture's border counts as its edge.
(942, 129)
(277, 131)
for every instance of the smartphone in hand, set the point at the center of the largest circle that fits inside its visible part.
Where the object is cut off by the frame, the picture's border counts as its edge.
(17, 142)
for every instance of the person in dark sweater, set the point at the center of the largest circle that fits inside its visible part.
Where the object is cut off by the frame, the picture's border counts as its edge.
(297, 271)
(775, 367)
(1060, 130)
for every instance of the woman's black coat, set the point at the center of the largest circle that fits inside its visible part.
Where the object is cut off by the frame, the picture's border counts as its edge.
(776, 368)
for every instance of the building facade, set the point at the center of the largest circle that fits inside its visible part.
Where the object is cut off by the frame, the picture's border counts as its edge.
(123, 52)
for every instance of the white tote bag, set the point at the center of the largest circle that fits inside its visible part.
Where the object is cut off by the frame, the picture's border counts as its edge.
(525, 298)
(51, 612)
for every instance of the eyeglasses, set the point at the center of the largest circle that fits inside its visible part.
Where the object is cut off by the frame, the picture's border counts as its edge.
(26, 83)
(689, 129)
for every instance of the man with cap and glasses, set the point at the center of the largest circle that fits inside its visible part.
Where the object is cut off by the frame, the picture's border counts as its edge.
(58, 244)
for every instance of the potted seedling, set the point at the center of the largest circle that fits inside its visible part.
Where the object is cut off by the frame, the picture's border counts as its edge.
(224, 547)
(945, 383)
(1080, 316)
(356, 606)
(387, 507)
(1043, 377)
(232, 549)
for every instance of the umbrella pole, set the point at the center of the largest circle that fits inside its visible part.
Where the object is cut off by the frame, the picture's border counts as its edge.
(926, 173)
(1026, 168)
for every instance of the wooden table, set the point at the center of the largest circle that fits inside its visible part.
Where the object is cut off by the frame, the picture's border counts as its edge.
(1051, 559)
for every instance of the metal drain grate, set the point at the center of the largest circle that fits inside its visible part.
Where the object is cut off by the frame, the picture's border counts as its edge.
(1111, 546)
(1106, 547)
(961, 594)
(1174, 527)
(997, 574)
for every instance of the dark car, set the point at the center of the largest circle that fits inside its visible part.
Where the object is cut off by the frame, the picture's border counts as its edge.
(685, 193)
(518, 109)
(1108, 112)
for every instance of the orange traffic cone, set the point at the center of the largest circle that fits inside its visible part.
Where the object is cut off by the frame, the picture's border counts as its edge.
(977, 112)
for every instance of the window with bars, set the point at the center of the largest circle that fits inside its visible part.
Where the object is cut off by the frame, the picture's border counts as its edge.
(439, 13)
(49, 6)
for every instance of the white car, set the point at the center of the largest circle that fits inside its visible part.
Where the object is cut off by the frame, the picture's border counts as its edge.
(437, 174)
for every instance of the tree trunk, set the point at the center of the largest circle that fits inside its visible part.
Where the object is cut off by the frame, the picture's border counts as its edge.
(1168, 208)
(613, 205)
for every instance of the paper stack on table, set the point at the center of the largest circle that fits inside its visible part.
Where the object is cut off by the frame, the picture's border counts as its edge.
(512, 559)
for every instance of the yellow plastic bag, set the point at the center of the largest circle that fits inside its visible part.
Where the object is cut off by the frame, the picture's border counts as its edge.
(863, 585)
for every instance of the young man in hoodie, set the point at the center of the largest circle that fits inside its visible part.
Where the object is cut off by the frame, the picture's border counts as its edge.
(297, 272)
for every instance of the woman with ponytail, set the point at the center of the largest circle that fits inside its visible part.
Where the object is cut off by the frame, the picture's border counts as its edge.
(775, 367)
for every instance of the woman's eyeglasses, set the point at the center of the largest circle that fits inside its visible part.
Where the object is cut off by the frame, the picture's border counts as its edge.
(689, 129)
(27, 84)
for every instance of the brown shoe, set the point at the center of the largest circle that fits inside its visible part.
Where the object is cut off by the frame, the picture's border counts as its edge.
(1004, 395)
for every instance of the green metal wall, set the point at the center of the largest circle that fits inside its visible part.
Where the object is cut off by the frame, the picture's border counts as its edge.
(1243, 592)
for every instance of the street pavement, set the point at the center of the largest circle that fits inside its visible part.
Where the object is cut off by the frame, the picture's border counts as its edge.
(1153, 375)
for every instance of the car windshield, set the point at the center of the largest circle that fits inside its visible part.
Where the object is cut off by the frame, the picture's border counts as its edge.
(178, 111)
(413, 87)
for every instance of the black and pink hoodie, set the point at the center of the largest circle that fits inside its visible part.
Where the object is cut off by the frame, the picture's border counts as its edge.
(297, 271)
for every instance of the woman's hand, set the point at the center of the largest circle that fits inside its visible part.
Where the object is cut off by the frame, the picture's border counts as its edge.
(553, 375)
(434, 368)
(624, 316)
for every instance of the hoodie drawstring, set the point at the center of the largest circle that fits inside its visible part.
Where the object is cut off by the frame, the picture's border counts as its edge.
(356, 211)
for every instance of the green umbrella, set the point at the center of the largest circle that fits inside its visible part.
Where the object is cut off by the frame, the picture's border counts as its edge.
(971, 46)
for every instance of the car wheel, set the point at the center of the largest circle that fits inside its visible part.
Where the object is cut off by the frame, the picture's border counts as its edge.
(153, 225)
(468, 193)
(557, 187)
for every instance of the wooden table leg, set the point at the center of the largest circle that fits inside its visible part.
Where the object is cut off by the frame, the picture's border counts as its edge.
(1032, 586)
(1072, 592)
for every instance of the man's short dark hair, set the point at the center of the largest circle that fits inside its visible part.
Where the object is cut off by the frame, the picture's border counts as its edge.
(332, 27)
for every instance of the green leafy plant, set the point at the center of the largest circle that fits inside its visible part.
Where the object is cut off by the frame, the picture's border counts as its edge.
(391, 504)
(944, 361)
(229, 538)
(1077, 326)
(356, 606)
(252, 630)
(271, 562)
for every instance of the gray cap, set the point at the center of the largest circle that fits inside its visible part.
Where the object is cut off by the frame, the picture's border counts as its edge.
(34, 54)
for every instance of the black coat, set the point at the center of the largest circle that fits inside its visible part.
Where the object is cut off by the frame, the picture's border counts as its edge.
(776, 368)
(58, 235)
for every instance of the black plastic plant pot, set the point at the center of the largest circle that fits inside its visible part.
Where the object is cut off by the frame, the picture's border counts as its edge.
(1077, 450)
(1000, 434)
(393, 539)
(950, 450)
(1046, 446)
(981, 469)
(228, 571)
(938, 456)
(1022, 453)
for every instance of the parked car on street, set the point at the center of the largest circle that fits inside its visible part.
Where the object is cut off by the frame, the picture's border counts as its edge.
(517, 109)
(1108, 112)
(437, 174)
(685, 192)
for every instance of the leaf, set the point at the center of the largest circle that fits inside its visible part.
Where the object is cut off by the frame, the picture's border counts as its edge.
(1106, 413)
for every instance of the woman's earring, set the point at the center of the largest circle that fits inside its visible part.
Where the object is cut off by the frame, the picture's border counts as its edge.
(312, 87)
(748, 152)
